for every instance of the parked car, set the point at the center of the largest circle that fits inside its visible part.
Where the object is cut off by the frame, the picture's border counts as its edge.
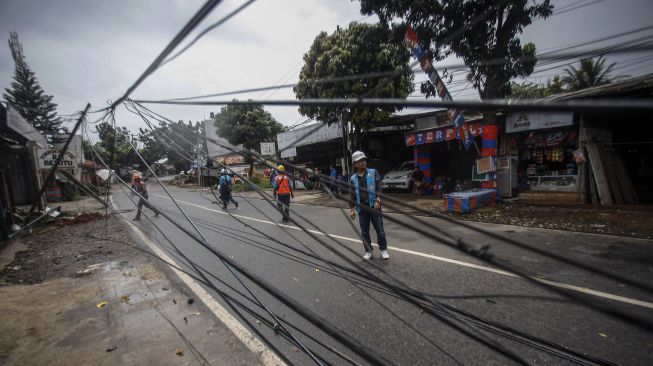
(399, 177)
(298, 183)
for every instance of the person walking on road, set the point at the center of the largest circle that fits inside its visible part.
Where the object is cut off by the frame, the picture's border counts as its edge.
(364, 188)
(224, 188)
(139, 187)
(333, 176)
(282, 192)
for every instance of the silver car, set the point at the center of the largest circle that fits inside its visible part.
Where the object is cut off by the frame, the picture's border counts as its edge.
(399, 177)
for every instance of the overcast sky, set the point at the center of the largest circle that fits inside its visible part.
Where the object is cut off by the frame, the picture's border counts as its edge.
(92, 51)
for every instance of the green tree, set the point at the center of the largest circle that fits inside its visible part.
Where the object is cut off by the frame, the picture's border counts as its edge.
(27, 96)
(528, 90)
(175, 141)
(121, 150)
(359, 49)
(248, 125)
(592, 72)
(484, 33)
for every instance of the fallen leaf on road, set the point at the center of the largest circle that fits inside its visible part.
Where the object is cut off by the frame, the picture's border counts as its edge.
(179, 352)
(351, 294)
(295, 279)
(125, 299)
(196, 314)
(258, 322)
(174, 301)
(186, 320)
(317, 270)
(190, 301)
(490, 301)
(603, 335)
(102, 304)
(112, 348)
(421, 311)
(165, 289)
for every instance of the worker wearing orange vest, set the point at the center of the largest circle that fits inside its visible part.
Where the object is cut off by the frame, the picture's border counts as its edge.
(282, 191)
(140, 188)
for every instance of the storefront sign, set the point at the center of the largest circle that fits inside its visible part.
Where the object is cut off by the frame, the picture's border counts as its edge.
(469, 130)
(47, 158)
(527, 121)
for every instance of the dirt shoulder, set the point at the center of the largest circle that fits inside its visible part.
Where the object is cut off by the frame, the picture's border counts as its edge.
(74, 299)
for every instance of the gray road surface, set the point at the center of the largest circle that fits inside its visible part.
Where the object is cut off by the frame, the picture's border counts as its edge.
(510, 310)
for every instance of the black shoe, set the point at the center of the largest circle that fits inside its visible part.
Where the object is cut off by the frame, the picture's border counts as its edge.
(236, 203)
(136, 219)
(224, 207)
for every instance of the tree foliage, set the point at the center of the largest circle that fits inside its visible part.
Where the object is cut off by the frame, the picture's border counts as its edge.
(484, 33)
(591, 72)
(248, 125)
(528, 90)
(175, 141)
(27, 96)
(121, 150)
(359, 49)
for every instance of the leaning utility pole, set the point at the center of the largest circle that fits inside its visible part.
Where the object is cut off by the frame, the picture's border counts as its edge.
(58, 161)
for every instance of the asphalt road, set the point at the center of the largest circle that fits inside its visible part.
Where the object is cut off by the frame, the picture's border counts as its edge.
(541, 326)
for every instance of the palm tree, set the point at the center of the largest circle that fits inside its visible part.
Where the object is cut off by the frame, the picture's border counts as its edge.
(590, 73)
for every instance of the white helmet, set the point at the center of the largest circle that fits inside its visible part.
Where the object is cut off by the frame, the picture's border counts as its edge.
(223, 171)
(358, 155)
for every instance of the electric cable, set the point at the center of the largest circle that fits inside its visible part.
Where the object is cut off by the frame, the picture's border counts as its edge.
(208, 29)
(225, 263)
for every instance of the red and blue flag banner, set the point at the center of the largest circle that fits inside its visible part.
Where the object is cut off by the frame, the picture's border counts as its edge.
(455, 114)
(469, 130)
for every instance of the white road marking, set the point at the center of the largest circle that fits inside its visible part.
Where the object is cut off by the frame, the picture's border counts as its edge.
(266, 355)
(583, 290)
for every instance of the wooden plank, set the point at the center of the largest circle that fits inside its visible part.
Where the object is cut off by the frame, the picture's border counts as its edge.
(598, 172)
(625, 183)
(608, 159)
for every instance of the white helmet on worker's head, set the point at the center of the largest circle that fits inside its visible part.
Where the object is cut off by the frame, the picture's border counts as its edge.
(223, 171)
(357, 156)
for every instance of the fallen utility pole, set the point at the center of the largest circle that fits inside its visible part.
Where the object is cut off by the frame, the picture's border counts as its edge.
(58, 161)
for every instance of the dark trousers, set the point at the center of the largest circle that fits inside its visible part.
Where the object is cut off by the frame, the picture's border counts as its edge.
(283, 203)
(225, 197)
(141, 202)
(364, 219)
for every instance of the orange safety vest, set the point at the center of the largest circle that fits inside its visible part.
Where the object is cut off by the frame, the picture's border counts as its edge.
(283, 184)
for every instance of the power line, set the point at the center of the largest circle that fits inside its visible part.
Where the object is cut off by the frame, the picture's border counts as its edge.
(192, 23)
(504, 104)
(208, 29)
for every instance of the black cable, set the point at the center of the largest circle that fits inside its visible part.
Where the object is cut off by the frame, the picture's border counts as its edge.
(280, 354)
(190, 262)
(192, 23)
(400, 291)
(224, 262)
(208, 29)
(482, 253)
(585, 105)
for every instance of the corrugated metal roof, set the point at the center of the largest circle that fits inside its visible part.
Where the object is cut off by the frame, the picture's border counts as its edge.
(613, 89)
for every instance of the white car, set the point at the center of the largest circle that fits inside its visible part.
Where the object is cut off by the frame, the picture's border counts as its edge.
(399, 177)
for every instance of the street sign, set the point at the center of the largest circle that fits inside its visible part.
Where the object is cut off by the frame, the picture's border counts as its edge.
(268, 148)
